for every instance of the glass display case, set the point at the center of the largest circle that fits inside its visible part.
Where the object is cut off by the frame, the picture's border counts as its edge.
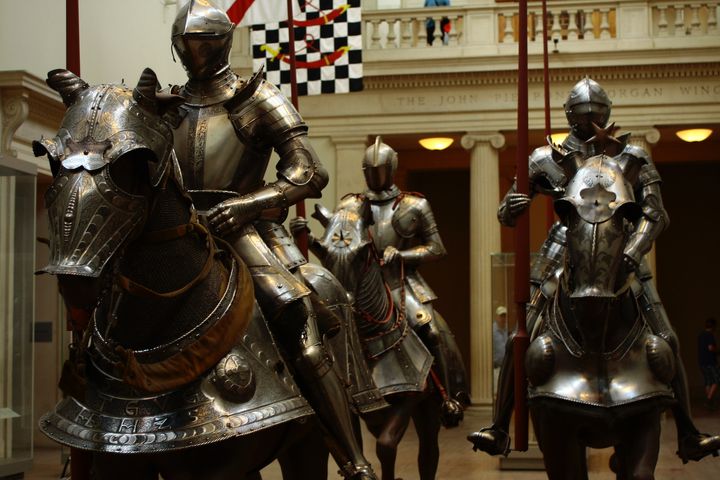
(503, 299)
(17, 263)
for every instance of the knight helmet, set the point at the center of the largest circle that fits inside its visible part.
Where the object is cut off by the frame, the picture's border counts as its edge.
(202, 37)
(587, 104)
(379, 165)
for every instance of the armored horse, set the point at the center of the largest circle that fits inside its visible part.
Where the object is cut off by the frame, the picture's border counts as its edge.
(177, 375)
(399, 362)
(598, 377)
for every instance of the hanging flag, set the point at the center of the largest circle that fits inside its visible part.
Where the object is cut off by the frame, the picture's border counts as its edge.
(251, 12)
(328, 48)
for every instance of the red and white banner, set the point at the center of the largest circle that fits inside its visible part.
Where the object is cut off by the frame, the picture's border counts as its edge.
(255, 12)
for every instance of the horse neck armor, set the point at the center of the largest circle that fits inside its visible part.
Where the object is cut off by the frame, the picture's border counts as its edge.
(397, 359)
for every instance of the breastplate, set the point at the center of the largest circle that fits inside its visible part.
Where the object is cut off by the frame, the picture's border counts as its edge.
(383, 231)
(208, 149)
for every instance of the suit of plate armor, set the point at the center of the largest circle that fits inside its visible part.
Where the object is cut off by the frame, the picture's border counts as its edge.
(224, 137)
(587, 108)
(404, 229)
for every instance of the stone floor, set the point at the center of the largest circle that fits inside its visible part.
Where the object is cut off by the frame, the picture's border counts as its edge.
(459, 462)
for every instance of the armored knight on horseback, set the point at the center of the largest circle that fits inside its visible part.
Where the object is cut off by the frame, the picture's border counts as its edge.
(406, 235)
(588, 111)
(224, 136)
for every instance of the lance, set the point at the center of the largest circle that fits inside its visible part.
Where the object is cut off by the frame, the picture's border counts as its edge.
(522, 240)
(302, 238)
(549, 214)
(80, 460)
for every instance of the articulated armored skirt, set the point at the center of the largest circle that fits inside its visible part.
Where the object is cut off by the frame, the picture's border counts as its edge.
(275, 285)
(418, 297)
(399, 361)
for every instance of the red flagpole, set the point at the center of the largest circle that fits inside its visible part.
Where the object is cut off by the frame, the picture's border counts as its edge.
(522, 241)
(72, 38)
(302, 238)
(549, 214)
(80, 460)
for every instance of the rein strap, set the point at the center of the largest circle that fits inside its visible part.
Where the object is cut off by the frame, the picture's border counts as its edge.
(134, 288)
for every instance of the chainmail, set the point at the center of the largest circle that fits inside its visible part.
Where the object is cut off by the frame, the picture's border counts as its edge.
(166, 266)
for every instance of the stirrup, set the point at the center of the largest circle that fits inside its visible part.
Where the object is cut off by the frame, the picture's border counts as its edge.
(492, 441)
(697, 446)
(357, 472)
(451, 413)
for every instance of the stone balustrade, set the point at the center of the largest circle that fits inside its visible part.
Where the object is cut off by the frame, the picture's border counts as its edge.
(593, 25)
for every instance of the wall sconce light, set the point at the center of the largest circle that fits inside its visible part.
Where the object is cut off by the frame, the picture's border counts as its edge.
(436, 143)
(694, 134)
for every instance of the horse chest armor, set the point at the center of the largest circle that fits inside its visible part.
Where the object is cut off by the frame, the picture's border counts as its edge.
(249, 389)
(641, 367)
(206, 133)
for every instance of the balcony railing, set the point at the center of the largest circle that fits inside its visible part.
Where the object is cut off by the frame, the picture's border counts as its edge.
(575, 22)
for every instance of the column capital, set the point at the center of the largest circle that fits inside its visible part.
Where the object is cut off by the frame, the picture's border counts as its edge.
(649, 135)
(15, 110)
(470, 139)
(349, 140)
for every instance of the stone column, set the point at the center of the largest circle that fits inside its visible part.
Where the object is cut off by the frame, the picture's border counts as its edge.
(349, 151)
(647, 138)
(484, 240)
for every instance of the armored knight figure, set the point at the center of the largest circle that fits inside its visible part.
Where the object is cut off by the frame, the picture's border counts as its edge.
(406, 235)
(588, 111)
(224, 136)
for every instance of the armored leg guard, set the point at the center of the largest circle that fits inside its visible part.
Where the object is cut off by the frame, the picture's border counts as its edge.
(692, 445)
(495, 440)
(451, 413)
(322, 387)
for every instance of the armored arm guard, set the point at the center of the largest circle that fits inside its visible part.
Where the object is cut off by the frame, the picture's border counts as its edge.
(418, 211)
(265, 119)
(654, 218)
(545, 176)
(507, 211)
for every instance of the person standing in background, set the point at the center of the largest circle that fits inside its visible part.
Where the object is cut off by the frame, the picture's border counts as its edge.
(499, 337)
(444, 23)
(707, 358)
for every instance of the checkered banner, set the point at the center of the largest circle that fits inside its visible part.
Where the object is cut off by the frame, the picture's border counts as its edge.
(328, 48)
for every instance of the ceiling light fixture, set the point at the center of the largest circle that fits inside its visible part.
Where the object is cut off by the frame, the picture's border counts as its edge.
(558, 138)
(694, 134)
(436, 143)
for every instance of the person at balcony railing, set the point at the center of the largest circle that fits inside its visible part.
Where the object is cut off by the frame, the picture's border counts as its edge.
(444, 23)
(587, 108)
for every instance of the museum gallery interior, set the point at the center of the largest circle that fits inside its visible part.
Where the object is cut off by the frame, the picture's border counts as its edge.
(359, 239)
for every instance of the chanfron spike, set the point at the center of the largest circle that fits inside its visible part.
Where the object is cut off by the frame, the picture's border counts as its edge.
(67, 84)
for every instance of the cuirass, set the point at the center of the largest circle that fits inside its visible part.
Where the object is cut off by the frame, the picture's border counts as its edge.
(206, 133)
(395, 226)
